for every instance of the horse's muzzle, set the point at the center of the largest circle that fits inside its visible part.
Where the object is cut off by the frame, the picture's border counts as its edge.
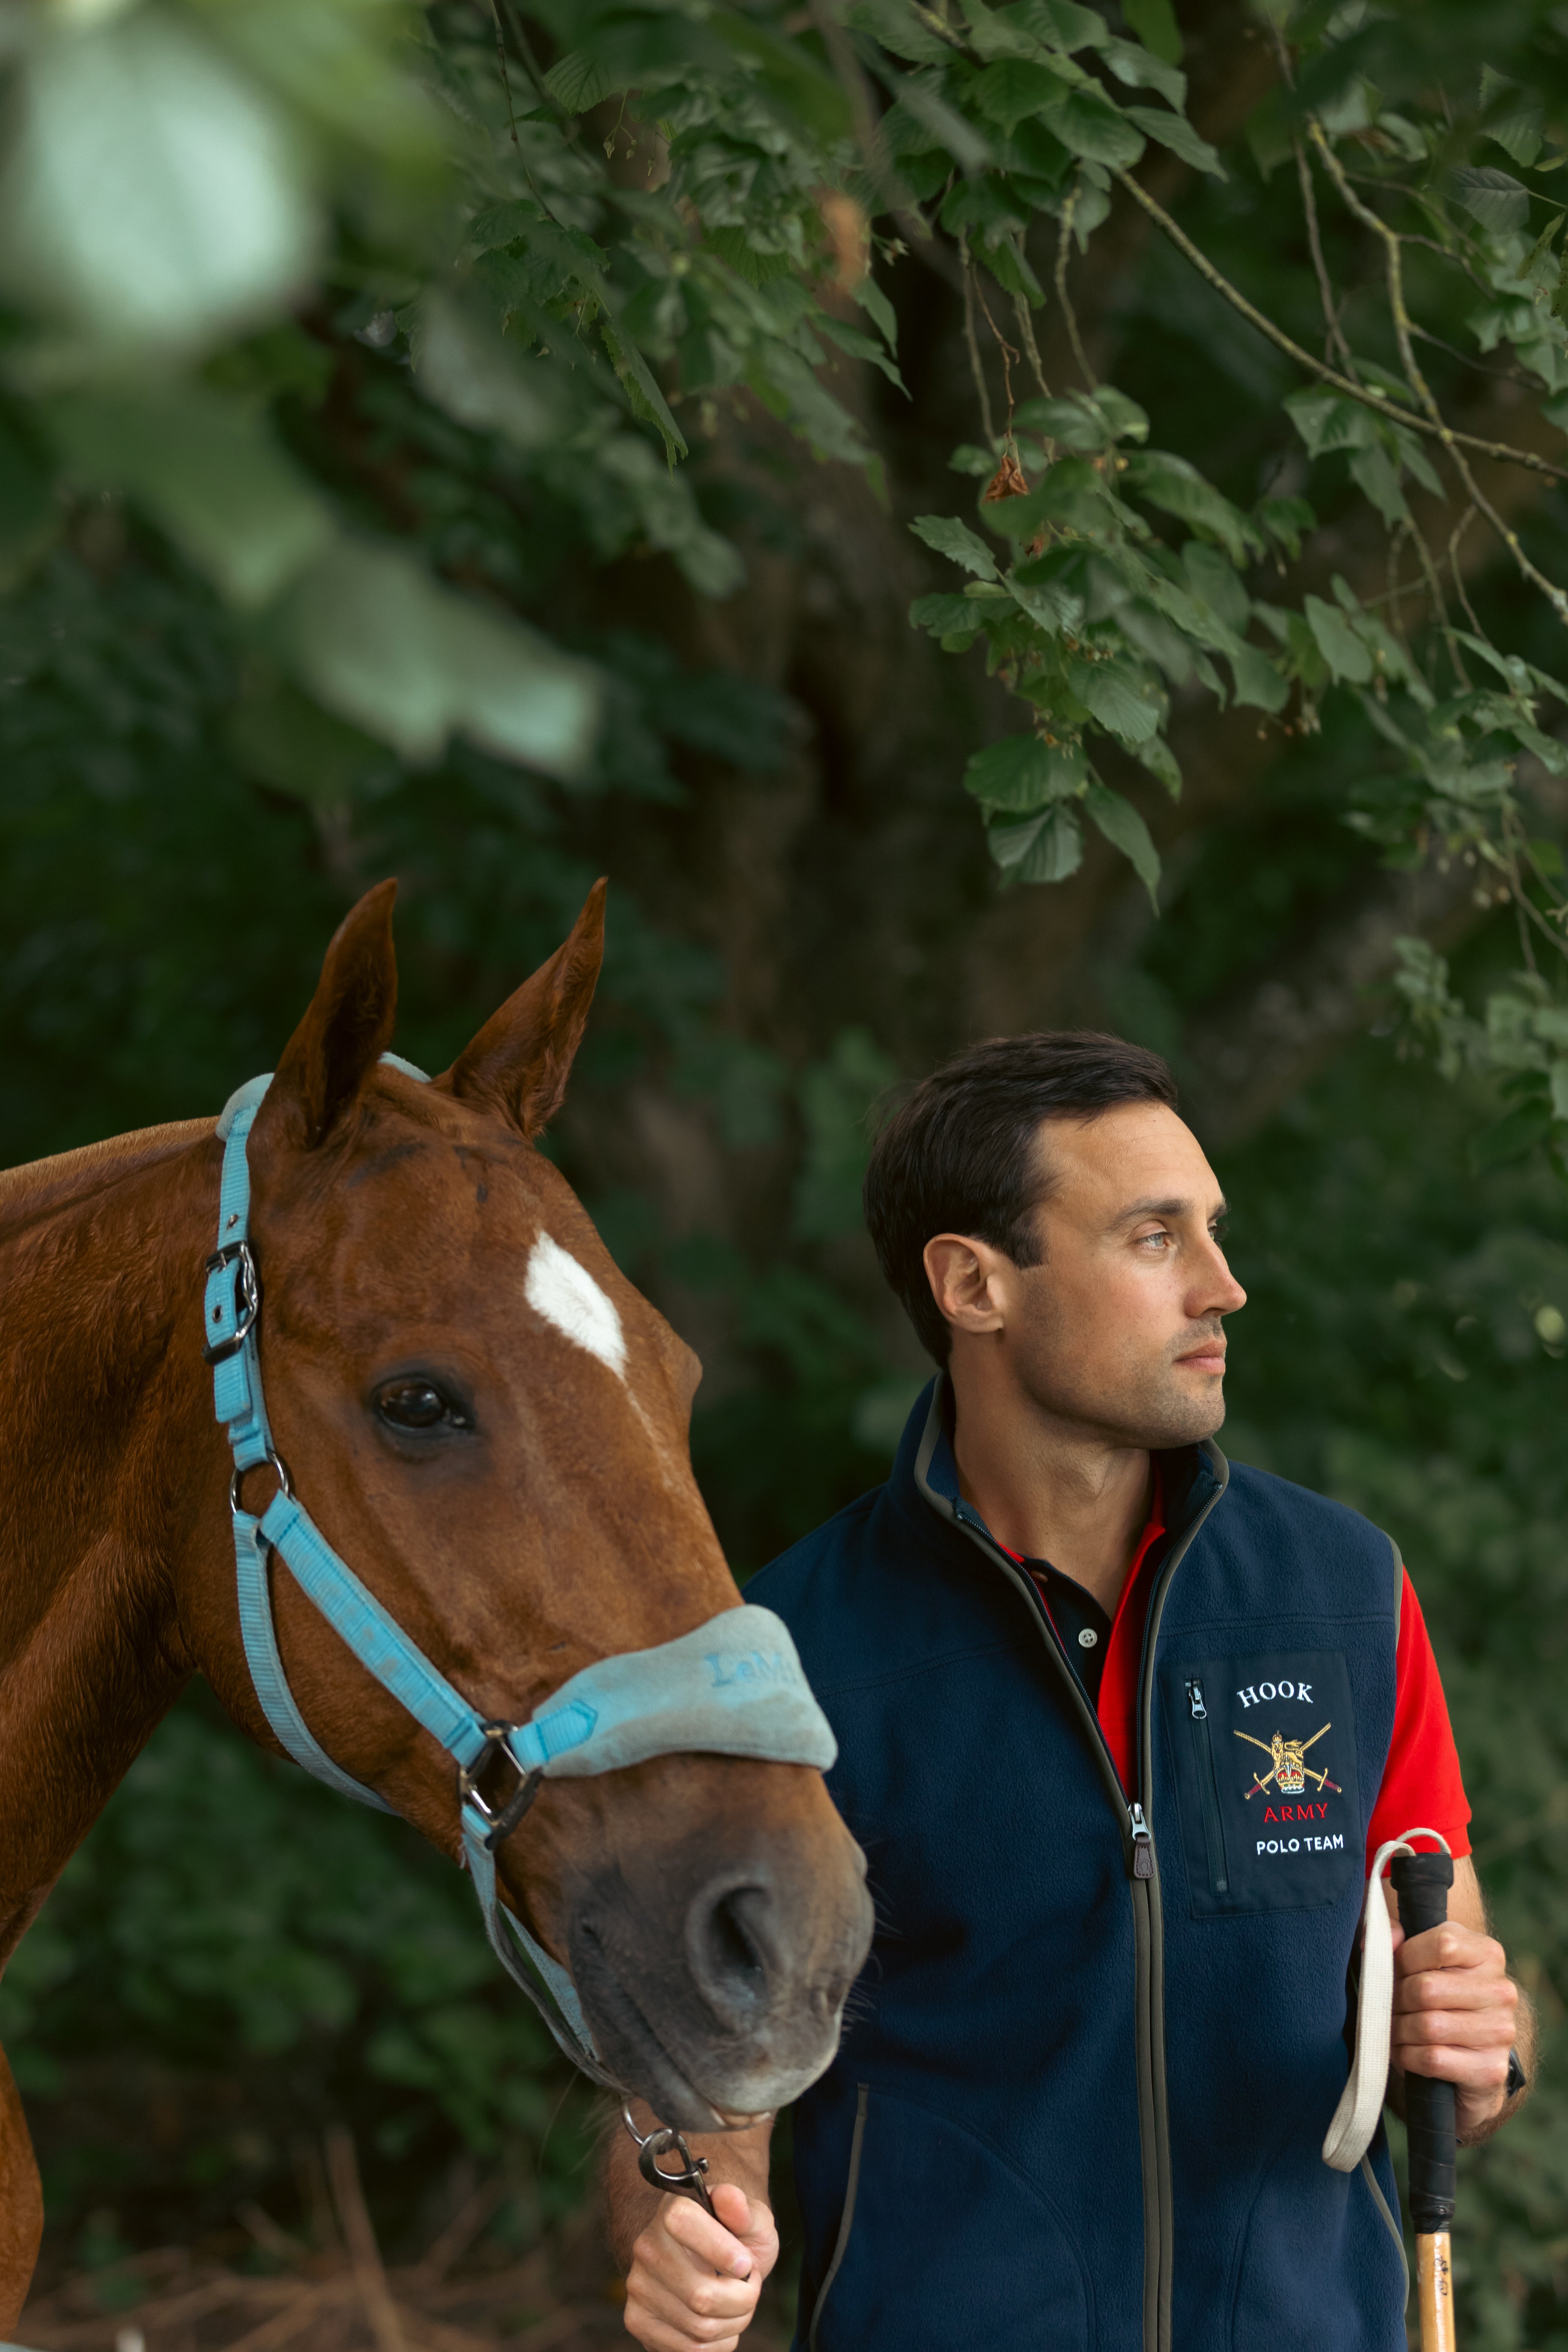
(713, 1974)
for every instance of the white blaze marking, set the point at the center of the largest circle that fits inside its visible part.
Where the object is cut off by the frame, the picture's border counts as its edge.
(566, 1295)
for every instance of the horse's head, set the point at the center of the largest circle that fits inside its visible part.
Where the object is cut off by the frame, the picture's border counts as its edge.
(489, 1423)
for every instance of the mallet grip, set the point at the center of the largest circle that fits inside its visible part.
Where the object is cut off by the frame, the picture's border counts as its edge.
(1421, 1881)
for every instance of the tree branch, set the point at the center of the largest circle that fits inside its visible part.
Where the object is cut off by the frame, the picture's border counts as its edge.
(1447, 434)
(1555, 596)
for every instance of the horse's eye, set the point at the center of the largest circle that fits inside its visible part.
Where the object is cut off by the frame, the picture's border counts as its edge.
(415, 1404)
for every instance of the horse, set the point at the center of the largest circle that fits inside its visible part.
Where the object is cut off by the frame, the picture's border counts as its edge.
(493, 1424)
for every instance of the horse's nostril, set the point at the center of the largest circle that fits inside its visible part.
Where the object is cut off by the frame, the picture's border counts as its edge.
(729, 1944)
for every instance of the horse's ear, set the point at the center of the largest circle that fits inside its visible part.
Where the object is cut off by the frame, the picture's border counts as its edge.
(523, 1058)
(345, 1031)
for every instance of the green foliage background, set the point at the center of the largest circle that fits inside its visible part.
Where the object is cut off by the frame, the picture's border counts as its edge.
(378, 566)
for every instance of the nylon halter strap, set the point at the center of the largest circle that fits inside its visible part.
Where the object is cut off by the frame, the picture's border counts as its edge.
(732, 1688)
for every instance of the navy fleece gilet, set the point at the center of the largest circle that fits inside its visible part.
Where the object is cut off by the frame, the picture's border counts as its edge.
(1085, 2077)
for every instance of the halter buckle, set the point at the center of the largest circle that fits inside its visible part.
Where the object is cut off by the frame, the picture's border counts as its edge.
(247, 1303)
(498, 1823)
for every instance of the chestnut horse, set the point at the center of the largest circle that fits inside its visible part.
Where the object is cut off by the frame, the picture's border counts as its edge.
(522, 1506)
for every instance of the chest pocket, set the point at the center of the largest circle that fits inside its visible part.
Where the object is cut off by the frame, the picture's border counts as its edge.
(1263, 1748)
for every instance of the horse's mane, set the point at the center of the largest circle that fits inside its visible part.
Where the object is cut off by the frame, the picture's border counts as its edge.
(42, 1188)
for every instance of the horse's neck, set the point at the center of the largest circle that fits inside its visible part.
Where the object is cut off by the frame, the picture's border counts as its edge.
(100, 1421)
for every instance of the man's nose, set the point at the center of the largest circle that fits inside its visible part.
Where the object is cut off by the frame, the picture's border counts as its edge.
(1219, 1292)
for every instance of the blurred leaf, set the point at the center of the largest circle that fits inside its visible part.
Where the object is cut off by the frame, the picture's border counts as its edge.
(152, 192)
(378, 642)
(210, 472)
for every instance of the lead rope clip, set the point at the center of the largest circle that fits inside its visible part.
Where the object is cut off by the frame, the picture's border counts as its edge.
(690, 2181)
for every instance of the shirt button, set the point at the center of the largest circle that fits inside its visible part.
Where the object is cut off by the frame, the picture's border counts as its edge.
(1088, 1638)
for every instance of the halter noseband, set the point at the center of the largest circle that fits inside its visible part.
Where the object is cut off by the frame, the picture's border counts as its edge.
(732, 1688)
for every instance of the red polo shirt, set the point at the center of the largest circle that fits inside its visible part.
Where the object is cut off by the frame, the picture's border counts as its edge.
(1422, 1784)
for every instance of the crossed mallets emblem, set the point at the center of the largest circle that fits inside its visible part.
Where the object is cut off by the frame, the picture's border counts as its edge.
(1291, 1771)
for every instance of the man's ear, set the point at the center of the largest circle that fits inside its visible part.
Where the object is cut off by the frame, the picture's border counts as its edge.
(520, 1062)
(346, 1029)
(959, 1271)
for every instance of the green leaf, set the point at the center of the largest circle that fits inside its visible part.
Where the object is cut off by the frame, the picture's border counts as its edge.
(637, 381)
(1090, 125)
(1138, 68)
(1048, 601)
(1115, 695)
(947, 616)
(1125, 830)
(860, 346)
(1126, 420)
(153, 193)
(1374, 472)
(378, 641)
(1154, 22)
(1022, 772)
(1327, 420)
(208, 471)
(1344, 651)
(880, 311)
(1071, 419)
(1216, 584)
(921, 97)
(1496, 199)
(896, 25)
(953, 538)
(1071, 492)
(1012, 89)
(1174, 131)
(1044, 848)
(1287, 520)
(1258, 684)
(1064, 25)
(1172, 484)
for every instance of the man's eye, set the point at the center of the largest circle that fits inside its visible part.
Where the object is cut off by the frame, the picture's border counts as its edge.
(418, 1404)
(1154, 1240)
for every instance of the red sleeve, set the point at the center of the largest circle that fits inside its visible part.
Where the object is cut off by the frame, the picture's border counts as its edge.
(1422, 1786)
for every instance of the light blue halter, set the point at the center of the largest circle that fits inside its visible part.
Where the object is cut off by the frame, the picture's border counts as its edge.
(732, 1688)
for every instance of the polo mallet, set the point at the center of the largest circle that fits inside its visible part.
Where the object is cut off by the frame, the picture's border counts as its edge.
(1421, 1881)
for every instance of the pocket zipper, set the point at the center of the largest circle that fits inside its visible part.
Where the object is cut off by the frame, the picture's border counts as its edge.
(1208, 1789)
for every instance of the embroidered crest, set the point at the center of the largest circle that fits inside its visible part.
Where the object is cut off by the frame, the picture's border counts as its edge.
(1289, 1770)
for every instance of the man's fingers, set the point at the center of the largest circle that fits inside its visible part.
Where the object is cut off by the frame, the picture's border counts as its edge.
(752, 2225)
(705, 2319)
(705, 2239)
(658, 2336)
(1470, 2070)
(1451, 1946)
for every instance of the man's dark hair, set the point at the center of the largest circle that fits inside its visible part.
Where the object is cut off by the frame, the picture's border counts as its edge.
(960, 1154)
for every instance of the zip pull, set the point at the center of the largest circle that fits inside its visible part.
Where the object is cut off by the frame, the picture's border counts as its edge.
(1142, 1844)
(1195, 1701)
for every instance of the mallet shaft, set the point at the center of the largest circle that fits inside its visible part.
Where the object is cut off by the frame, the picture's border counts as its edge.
(1421, 1881)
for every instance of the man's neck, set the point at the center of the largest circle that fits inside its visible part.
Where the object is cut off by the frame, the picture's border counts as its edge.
(1050, 1489)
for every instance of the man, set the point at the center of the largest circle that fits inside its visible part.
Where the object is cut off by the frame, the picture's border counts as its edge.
(1119, 1728)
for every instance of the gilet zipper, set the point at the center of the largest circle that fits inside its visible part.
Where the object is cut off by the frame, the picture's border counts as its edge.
(1208, 1788)
(1142, 1864)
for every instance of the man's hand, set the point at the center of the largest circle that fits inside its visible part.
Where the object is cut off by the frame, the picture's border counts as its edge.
(1457, 2010)
(694, 2282)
